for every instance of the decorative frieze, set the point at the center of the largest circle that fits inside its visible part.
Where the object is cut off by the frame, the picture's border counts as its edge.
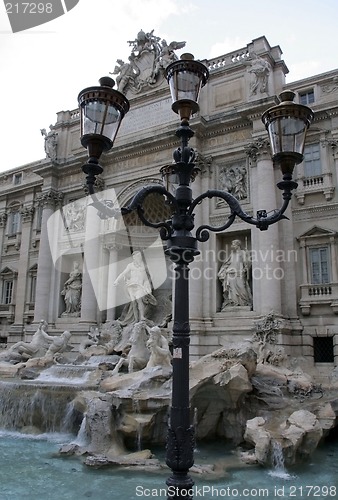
(330, 87)
(233, 179)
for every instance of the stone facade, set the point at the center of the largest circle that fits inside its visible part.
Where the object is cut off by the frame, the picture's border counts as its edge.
(46, 226)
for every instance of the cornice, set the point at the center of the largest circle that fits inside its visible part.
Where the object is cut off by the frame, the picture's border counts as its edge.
(327, 210)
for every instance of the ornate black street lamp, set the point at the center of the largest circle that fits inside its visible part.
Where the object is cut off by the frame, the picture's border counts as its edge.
(102, 109)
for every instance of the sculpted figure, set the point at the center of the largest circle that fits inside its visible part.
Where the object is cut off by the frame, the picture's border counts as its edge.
(266, 336)
(37, 347)
(58, 345)
(92, 339)
(50, 142)
(159, 348)
(234, 180)
(72, 291)
(74, 216)
(167, 54)
(260, 68)
(126, 73)
(149, 56)
(137, 286)
(234, 275)
(138, 355)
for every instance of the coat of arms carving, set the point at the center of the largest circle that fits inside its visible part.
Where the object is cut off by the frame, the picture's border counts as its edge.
(145, 67)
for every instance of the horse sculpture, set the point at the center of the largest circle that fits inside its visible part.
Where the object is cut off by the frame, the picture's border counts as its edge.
(138, 356)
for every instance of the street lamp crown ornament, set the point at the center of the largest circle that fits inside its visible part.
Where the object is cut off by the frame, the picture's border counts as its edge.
(287, 124)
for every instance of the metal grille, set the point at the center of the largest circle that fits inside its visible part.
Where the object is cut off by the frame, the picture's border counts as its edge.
(323, 349)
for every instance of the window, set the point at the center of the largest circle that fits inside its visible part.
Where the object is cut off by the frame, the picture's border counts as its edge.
(39, 212)
(32, 289)
(319, 262)
(7, 292)
(17, 179)
(312, 166)
(323, 349)
(13, 223)
(307, 97)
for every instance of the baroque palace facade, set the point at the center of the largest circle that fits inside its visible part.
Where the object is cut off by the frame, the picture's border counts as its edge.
(46, 227)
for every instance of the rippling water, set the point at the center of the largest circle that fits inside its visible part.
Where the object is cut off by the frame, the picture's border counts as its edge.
(31, 469)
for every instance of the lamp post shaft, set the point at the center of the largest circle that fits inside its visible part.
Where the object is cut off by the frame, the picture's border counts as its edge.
(181, 436)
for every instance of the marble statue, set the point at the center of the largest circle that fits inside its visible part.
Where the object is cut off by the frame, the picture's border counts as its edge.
(138, 355)
(127, 72)
(138, 288)
(72, 292)
(260, 69)
(146, 63)
(101, 342)
(265, 335)
(234, 276)
(167, 54)
(50, 142)
(59, 344)
(41, 344)
(158, 346)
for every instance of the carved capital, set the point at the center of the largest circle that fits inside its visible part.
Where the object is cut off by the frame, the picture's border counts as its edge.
(3, 219)
(27, 213)
(258, 148)
(203, 163)
(52, 199)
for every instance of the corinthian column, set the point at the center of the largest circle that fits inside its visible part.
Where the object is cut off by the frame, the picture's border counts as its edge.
(91, 288)
(50, 200)
(266, 270)
(27, 213)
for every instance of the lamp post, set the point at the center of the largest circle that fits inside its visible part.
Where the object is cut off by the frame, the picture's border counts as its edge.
(102, 109)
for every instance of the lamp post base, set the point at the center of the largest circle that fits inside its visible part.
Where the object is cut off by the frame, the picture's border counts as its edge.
(180, 485)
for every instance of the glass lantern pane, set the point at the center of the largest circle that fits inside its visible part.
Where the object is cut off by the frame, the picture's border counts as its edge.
(100, 118)
(287, 134)
(185, 85)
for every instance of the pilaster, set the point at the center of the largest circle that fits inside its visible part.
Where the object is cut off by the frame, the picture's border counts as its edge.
(266, 273)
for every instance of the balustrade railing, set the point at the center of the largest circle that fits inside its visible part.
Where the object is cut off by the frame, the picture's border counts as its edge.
(324, 293)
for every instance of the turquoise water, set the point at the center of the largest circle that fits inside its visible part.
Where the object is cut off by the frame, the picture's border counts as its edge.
(31, 470)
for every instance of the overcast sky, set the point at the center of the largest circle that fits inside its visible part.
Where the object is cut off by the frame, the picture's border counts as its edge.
(43, 69)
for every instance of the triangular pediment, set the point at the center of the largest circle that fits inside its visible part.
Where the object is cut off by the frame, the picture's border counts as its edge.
(316, 231)
(6, 271)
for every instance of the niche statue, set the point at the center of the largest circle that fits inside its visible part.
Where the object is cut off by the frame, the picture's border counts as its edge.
(234, 276)
(72, 292)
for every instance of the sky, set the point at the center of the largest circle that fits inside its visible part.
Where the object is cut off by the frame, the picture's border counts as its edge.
(43, 69)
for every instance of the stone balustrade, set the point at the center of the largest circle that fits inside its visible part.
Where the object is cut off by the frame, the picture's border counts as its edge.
(325, 293)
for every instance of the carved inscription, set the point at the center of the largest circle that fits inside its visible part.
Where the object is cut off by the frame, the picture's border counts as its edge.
(147, 116)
